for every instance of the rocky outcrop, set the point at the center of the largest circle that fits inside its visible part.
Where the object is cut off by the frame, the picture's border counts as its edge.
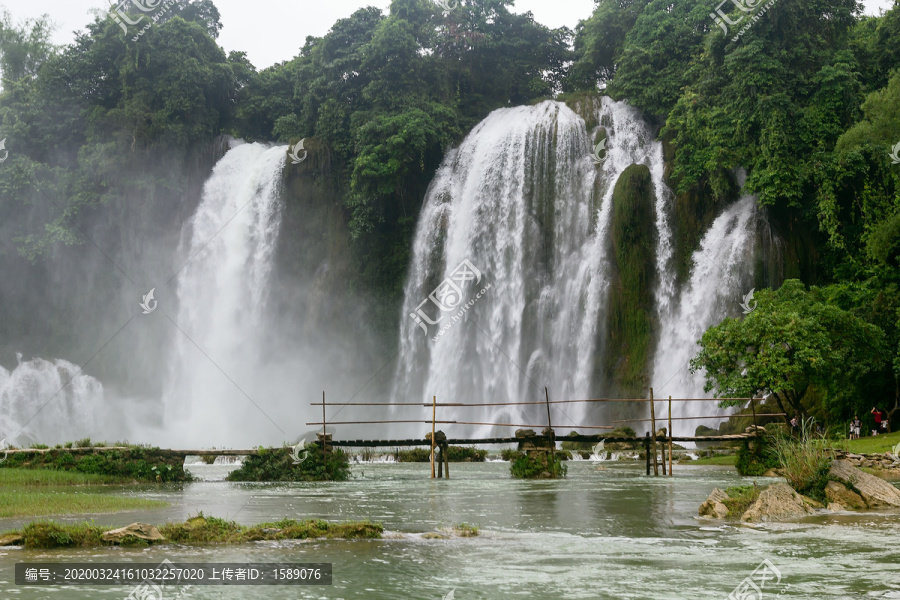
(887, 462)
(12, 539)
(778, 502)
(141, 531)
(841, 498)
(714, 506)
(875, 492)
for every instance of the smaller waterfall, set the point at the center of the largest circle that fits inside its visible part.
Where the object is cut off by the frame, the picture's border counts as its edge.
(720, 277)
(218, 370)
(48, 401)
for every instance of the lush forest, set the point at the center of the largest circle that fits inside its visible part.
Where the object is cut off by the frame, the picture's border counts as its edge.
(807, 101)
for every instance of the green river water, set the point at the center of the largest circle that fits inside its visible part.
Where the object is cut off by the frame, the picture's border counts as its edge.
(610, 533)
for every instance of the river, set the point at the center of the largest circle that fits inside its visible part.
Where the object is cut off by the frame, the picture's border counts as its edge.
(610, 533)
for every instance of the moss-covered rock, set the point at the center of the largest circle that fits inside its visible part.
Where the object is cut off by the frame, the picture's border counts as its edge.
(630, 318)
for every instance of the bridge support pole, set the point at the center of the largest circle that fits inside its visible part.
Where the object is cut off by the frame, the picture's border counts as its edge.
(647, 451)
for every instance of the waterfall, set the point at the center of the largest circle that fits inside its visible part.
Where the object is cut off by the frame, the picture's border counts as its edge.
(721, 275)
(507, 286)
(48, 401)
(218, 371)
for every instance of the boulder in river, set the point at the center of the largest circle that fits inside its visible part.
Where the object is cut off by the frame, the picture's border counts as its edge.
(776, 503)
(876, 492)
(714, 506)
(141, 531)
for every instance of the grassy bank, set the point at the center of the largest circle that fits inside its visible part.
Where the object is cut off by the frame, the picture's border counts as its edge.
(876, 444)
(43, 492)
(719, 459)
(136, 463)
(197, 531)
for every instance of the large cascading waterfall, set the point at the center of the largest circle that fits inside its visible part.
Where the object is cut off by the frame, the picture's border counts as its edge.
(520, 210)
(721, 275)
(48, 401)
(218, 369)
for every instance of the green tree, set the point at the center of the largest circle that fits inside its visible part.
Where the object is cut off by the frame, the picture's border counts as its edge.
(797, 347)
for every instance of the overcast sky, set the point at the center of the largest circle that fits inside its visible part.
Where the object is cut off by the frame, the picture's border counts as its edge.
(274, 30)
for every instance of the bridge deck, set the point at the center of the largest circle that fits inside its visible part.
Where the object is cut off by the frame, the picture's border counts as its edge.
(407, 442)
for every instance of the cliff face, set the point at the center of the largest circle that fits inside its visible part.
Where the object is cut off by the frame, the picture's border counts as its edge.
(631, 322)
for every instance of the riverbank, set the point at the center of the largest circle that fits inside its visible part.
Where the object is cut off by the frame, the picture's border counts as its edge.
(45, 492)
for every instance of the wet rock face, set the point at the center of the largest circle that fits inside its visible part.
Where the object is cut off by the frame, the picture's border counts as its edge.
(875, 492)
(841, 498)
(777, 503)
(135, 530)
(714, 506)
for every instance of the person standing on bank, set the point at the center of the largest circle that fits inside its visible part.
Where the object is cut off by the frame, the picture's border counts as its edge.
(855, 426)
(877, 415)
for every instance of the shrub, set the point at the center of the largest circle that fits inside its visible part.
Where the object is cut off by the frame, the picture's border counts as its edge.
(537, 465)
(805, 461)
(753, 461)
(511, 454)
(278, 465)
(466, 454)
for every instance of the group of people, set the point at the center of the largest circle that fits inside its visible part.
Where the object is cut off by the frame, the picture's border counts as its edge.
(881, 424)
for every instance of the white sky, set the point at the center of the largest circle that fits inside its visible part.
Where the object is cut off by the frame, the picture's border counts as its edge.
(274, 30)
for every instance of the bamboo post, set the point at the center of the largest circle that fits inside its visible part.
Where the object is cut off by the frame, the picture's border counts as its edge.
(653, 433)
(324, 435)
(440, 461)
(446, 454)
(662, 450)
(753, 408)
(433, 417)
(550, 427)
(670, 436)
(647, 451)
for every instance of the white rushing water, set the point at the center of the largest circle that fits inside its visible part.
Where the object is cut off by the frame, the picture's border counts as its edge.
(218, 369)
(517, 200)
(720, 277)
(48, 401)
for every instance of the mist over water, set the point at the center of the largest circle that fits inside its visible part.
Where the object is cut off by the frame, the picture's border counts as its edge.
(49, 401)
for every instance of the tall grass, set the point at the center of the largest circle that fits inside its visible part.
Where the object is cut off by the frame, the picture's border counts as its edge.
(806, 460)
(44, 492)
